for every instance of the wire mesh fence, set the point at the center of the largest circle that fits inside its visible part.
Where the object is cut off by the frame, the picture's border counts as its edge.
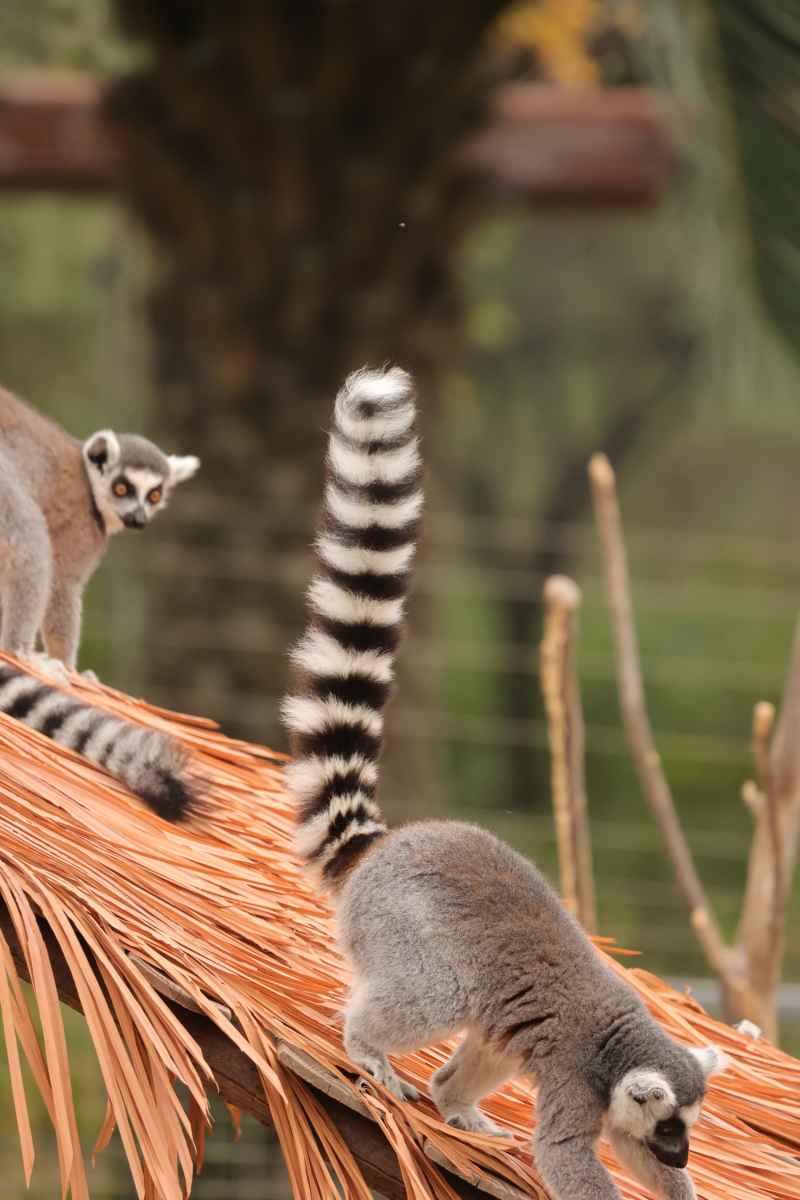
(715, 616)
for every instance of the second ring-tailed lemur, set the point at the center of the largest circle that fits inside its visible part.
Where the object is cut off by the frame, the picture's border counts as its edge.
(447, 928)
(59, 501)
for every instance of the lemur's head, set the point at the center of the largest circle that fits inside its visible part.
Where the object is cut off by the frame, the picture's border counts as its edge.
(659, 1105)
(130, 478)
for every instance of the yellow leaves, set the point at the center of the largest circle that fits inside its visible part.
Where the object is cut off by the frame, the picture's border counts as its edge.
(559, 33)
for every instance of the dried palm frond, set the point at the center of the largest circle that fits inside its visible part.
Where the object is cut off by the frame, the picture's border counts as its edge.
(220, 910)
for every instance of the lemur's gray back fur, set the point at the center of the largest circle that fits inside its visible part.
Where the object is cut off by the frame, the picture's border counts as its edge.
(152, 764)
(447, 928)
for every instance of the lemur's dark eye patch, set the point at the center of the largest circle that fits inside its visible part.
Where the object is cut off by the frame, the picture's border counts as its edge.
(121, 488)
(154, 495)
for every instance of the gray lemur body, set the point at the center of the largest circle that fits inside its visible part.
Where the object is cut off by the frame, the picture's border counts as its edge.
(447, 928)
(59, 501)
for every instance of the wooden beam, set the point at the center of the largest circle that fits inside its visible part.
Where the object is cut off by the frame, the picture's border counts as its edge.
(540, 142)
(52, 133)
(544, 143)
(239, 1084)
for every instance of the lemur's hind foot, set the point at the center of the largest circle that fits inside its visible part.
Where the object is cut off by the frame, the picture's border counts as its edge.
(472, 1120)
(53, 668)
(379, 1068)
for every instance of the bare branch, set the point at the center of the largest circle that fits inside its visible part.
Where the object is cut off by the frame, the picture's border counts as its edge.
(763, 722)
(561, 691)
(639, 732)
(752, 796)
(785, 764)
(760, 937)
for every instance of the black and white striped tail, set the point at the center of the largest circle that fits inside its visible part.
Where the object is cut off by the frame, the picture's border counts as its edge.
(151, 764)
(365, 548)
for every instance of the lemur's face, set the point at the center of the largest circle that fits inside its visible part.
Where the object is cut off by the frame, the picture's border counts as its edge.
(644, 1106)
(659, 1111)
(130, 478)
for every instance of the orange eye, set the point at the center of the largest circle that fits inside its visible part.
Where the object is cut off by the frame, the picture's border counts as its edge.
(120, 489)
(154, 495)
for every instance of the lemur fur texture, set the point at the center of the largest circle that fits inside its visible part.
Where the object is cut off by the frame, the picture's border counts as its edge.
(153, 765)
(447, 928)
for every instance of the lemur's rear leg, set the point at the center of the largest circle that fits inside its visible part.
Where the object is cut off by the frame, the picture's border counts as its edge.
(386, 1021)
(474, 1071)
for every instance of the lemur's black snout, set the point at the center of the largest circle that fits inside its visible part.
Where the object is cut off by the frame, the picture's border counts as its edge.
(135, 520)
(677, 1156)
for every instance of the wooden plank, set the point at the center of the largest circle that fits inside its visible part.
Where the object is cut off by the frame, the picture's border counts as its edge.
(52, 133)
(540, 142)
(543, 143)
(307, 1068)
(490, 1184)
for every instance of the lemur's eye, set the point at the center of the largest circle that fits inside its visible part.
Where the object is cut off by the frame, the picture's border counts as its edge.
(154, 495)
(120, 488)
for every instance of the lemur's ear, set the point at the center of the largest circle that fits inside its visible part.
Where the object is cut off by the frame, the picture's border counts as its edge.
(182, 467)
(712, 1060)
(102, 449)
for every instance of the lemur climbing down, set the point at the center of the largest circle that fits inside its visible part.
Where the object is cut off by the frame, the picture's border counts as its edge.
(447, 928)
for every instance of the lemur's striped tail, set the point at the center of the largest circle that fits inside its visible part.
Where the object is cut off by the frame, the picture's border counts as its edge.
(151, 764)
(373, 503)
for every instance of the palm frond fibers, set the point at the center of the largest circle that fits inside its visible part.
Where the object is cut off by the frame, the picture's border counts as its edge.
(220, 907)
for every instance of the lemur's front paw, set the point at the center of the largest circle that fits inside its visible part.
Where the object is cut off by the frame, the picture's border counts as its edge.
(52, 667)
(90, 676)
(397, 1086)
(382, 1071)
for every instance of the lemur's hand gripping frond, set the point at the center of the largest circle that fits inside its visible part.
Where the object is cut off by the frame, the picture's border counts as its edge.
(345, 659)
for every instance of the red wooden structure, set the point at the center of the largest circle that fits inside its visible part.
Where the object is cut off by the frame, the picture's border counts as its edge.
(540, 142)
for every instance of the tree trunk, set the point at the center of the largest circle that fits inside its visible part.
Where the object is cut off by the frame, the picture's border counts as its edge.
(289, 161)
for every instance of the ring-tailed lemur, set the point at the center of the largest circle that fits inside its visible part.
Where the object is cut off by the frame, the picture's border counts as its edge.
(151, 764)
(59, 501)
(447, 928)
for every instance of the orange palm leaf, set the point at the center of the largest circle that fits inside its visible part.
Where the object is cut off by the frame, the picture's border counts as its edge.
(221, 909)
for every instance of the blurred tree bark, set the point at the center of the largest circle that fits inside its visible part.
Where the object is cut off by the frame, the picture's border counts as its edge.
(760, 44)
(289, 161)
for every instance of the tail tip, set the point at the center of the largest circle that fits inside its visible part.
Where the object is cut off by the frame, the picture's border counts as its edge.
(170, 796)
(369, 390)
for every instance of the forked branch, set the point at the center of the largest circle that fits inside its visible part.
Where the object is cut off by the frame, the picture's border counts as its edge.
(749, 971)
(760, 936)
(642, 743)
